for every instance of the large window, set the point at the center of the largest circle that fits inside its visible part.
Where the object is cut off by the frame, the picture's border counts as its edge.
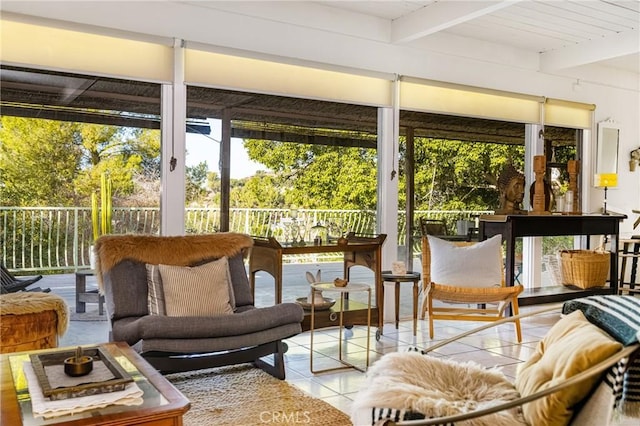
(63, 135)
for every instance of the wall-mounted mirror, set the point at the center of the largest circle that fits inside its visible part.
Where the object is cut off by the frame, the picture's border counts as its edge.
(607, 147)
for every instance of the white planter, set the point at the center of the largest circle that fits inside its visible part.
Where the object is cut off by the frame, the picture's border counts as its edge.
(92, 258)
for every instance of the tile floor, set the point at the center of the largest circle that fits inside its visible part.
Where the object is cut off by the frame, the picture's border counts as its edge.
(493, 347)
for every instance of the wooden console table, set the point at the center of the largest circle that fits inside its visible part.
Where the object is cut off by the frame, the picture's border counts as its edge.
(163, 404)
(267, 253)
(514, 226)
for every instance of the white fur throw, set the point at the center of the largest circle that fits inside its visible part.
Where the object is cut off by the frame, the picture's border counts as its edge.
(434, 387)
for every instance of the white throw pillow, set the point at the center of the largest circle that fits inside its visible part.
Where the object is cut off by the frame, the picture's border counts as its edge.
(476, 265)
(203, 290)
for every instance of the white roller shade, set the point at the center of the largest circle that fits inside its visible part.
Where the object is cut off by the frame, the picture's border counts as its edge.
(574, 115)
(55, 48)
(444, 98)
(262, 76)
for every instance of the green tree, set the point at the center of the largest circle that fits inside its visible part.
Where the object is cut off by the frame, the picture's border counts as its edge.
(54, 163)
(196, 179)
(452, 175)
(39, 161)
(258, 191)
(122, 152)
(318, 176)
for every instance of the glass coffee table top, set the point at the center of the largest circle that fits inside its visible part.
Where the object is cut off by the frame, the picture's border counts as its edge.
(152, 396)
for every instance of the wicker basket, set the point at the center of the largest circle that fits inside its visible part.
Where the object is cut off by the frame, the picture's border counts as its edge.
(584, 268)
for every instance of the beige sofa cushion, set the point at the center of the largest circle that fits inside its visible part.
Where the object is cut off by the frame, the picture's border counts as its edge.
(571, 346)
(203, 290)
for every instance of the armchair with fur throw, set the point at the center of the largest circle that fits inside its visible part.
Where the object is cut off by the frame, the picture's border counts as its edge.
(185, 303)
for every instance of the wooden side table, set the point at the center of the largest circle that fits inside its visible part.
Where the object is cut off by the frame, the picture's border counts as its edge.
(410, 276)
(83, 296)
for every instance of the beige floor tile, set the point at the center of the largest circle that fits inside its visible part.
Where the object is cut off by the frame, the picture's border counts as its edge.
(340, 402)
(348, 381)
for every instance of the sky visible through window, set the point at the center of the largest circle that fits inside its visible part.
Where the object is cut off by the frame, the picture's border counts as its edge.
(207, 148)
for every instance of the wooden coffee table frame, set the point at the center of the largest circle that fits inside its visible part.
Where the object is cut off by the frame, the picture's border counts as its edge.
(166, 414)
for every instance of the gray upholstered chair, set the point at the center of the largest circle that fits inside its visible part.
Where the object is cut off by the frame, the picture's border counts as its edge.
(181, 343)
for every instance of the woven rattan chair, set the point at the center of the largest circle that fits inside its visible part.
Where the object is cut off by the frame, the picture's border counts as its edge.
(482, 303)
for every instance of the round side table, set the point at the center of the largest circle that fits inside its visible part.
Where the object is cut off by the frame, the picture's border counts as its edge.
(410, 276)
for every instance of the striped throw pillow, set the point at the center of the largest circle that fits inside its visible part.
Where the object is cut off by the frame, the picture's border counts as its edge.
(155, 299)
(196, 291)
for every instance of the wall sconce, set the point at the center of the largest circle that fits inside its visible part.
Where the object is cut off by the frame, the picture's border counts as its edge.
(635, 159)
(605, 180)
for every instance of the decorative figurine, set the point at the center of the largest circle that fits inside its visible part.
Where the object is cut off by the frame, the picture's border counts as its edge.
(511, 186)
(315, 297)
(540, 190)
(573, 167)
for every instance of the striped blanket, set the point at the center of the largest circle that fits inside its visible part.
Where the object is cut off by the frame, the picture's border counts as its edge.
(619, 316)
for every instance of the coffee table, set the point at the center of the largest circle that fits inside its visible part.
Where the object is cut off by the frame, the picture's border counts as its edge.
(163, 404)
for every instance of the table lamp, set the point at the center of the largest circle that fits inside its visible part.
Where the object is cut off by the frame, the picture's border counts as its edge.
(605, 180)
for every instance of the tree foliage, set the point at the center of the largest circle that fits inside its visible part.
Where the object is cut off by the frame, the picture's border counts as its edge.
(196, 179)
(449, 175)
(317, 176)
(38, 163)
(453, 175)
(46, 162)
(54, 163)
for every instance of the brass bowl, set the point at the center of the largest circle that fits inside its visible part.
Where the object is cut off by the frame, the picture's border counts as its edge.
(338, 282)
(75, 367)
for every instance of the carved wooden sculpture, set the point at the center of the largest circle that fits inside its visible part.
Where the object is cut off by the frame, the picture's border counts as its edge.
(538, 203)
(573, 167)
(511, 186)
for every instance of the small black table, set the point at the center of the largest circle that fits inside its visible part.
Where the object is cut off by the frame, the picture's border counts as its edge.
(410, 276)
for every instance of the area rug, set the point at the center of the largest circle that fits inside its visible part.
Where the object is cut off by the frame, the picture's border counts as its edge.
(243, 395)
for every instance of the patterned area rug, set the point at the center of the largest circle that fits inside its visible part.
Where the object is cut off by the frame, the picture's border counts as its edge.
(243, 395)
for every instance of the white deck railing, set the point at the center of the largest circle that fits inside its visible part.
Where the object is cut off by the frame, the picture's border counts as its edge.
(34, 239)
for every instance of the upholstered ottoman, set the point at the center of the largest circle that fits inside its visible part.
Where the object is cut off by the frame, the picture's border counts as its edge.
(31, 320)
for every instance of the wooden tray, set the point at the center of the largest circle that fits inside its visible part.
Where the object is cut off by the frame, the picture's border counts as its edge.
(40, 361)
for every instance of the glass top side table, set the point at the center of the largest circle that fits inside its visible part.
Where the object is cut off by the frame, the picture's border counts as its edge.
(349, 288)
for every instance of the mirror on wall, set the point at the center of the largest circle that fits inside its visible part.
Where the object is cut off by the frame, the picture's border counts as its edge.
(607, 147)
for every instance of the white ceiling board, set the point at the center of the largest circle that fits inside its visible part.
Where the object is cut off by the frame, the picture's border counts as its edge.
(388, 10)
(597, 50)
(441, 16)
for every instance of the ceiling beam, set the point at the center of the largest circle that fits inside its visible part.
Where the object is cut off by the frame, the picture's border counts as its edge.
(439, 16)
(613, 46)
